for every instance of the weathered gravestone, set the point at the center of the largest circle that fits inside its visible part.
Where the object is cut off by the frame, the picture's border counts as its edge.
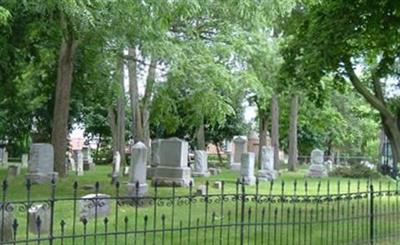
(239, 147)
(137, 185)
(14, 170)
(155, 157)
(6, 222)
(79, 163)
(247, 168)
(94, 206)
(39, 218)
(218, 185)
(200, 164)
(116, 167)
(173, 167)
(87, 158)
(267, 172)
(24, 160)
(41, 163)
(201, 190)
(4, 156)
(317, 168)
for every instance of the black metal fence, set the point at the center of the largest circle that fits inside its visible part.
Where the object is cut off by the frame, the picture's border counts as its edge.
(337, 213)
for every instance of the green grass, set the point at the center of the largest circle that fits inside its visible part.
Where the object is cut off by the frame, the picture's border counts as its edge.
(281, 223)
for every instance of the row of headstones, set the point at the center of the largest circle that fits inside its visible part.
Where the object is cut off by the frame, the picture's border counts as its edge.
(80, 160)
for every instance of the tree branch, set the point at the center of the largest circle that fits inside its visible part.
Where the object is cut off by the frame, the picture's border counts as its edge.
(371, 98)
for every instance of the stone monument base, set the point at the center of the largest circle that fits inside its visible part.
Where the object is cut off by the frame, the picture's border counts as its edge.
(267, 175)
(167, 176)
(248, 180)
(40, 178)
(199, 174)
(317, 171)
(136, 192)
(235, 166)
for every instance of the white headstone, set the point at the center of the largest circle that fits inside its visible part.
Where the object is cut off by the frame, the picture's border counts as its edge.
(239, 147)
(317, 168)
(94, 205)
(173, 167)
(267, 172)
(200, 163)
(247, 168)
(79, 165)
(42, 212)
(41, 163)
(116, 163)
(24, 160)
(137, 172)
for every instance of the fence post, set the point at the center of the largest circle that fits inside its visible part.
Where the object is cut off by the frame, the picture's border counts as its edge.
(371, 214)
(242, 214)
(52, 202)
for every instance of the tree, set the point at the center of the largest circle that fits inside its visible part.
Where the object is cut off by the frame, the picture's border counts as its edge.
(355, 42)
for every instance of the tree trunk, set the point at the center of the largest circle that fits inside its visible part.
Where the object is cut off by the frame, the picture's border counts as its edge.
(61, 104)
(393, 134)
(137, 129)
(275, 129)
(263, 133)
(147, 101)
(114, 133)
(97, 149)
(121, 115)
(293, 153)
(219, 153)
(200, 138)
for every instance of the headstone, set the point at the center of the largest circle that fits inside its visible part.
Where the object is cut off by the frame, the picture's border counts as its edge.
(94, 205)
(247, 168)
(173, 167)
(253, 143)
(5, 157)
(24, 160)
(229, 158)
(218, 185)
(214, 171)
(42, 212)
(41, 163)
(201, 190)
(79, 163)
(116, 167)
(14, 170)
(2, 149)
(329, 164)
(137, 174)
(317, 168)
(126, 171)
(6, 222)
(87, 158)
(200, 163)
(239, 147)
(267, 172)
(72, 163)
(155, 157)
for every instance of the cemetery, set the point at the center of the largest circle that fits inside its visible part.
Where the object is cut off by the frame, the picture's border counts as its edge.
(199, 122)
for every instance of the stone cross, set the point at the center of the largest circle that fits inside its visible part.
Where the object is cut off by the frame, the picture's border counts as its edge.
(317, 168)
(247, 168)
(41, 163)
(200, 163)
(137, 173)
(267, 172)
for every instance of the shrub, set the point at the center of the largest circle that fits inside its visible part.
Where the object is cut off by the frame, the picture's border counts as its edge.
(355, 170)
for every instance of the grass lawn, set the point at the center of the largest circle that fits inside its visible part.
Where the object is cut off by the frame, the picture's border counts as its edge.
(219, 220)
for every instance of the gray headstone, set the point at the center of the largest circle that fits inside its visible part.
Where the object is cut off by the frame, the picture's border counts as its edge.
(218, 185)
(317, 168)
(6, 222)
(138, 171)
(173, 166)
(200, 163)
(267, 172)
(42, 212)
(14, 170)
(93, 204)
(214, 171)
(41, 163)
(247, 168)
(155, 157)
(87, 158)
(4, 157)
(239, 147)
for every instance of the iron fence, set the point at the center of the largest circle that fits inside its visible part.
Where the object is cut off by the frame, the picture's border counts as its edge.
(336, 213)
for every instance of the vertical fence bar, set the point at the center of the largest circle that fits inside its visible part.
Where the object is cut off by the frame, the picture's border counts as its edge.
(3, 208)
(190, 210)
(75, 188)
(236, 209)
(173, 213)
(262, 224)
(117, 185)
(126, 230)
(221, 211)
(105, 221)
(52, 203)
(242, 213)
(155, 211)
(14, 230)
(62, 224)
(205, 214)
(371, 215)
(256, 211)
(28, 205)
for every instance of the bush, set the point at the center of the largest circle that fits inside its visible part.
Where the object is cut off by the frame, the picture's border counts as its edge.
(355, 170)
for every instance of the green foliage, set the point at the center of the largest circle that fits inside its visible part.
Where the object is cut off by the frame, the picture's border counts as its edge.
(355, 170)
